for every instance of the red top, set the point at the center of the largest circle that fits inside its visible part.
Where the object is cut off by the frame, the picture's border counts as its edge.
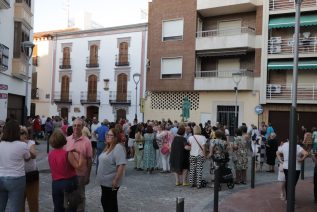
(60, 167)
(37, 125)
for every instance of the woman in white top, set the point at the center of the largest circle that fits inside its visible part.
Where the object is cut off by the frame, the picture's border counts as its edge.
(196, 159)
(13, 153)
(31, 174)
(301, 154)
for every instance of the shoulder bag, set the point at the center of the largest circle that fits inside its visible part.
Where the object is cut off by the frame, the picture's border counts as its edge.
(199, 146)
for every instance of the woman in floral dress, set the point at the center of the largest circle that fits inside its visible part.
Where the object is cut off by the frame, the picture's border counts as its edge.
(149, 151)
(241, 150)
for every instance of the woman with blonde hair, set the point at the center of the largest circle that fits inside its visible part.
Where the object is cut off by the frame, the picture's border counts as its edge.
(31, 173)
(197, 156)
(111, 170)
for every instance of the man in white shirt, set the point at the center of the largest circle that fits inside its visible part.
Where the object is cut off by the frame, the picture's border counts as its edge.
(95, 124)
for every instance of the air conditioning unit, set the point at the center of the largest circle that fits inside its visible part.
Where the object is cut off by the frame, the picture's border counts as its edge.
(274, 88)
(276, 40)
(274, 49)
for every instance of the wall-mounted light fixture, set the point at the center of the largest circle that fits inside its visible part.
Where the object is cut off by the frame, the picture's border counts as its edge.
(106, 84)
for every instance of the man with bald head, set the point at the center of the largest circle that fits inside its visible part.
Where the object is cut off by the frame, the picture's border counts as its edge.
(82, 145)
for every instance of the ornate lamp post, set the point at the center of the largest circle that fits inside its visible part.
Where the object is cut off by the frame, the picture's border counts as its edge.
(27, 47)
(136, 79)
(236, 79)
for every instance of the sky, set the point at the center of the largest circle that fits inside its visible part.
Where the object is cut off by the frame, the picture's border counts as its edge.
(52, 15)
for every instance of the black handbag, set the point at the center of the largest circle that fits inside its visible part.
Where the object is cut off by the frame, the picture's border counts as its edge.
(155, 145)
(72, 199)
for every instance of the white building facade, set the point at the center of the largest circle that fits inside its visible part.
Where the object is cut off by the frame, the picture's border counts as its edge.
(16, 25)
(93, 73)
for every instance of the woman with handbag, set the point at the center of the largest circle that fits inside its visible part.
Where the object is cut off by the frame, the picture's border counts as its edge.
(13, 152)
(197, 156)
(63, 164)
(31, 173)
(165, 149)
(111, 170)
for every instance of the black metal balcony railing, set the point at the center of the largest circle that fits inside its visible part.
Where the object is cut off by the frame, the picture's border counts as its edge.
(4, 57)
(62, 97)
(89, 97)
(122, 59)
(92, 62)
(116, 97)
(35, 61)
(35, 93)
(65, 63)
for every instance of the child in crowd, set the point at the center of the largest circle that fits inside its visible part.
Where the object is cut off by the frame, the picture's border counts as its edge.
(281, 175)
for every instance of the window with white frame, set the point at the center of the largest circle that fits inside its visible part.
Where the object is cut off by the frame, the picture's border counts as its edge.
(171, 67)
(172, 29)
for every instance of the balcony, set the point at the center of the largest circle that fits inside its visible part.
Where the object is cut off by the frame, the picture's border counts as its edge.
(122, 60)
(278, 5)
(120, 98)
(222, 80)
(278, 46)
(62, 97)
(4, 57)
(214, 8)
(65, 63)
(92, 62)
(35, 93)
(19, 68)
(23, 13)
(243, 37)
(282, 93)
(89, 97)
(4, 4)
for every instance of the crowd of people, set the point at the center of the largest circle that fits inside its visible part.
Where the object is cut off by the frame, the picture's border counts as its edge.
(155, 146)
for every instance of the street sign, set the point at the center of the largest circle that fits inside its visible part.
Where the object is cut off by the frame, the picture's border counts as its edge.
(259, 109)
(3, 87)
(3, 96)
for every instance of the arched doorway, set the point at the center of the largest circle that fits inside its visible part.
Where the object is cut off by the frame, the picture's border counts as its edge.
(92, 111)
(121, 113)
(64, 112)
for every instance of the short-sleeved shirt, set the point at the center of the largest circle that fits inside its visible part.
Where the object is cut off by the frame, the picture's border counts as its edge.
(101, 132)
(12, 156)
(82, 145)
(195, 148)
(31, 164)
(285, 150)
(108, 163)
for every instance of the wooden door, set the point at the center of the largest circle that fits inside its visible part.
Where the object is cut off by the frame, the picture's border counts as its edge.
(121, 114)
(123, 53)
(66, 57)
(92, 111)
(122, 87)
(93, 59)
(92, 88)
(65, 89)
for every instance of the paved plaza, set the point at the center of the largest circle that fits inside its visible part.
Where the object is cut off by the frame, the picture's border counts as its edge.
(155, 192)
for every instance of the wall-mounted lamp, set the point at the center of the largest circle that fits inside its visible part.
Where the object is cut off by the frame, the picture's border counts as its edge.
(106, 84)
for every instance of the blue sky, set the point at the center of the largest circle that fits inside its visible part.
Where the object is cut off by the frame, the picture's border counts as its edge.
(51, 15)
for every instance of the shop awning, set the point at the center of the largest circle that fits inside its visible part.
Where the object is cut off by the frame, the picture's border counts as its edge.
(288, 65)
(289, 21)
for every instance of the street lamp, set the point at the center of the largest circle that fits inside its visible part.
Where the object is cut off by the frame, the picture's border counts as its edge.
(293, 118)
(136, 79)
(236, 79)
(27, 47)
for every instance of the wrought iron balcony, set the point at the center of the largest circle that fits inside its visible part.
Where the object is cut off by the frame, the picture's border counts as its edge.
(89, 97)
(122, 59)
(116, 97)
(92, 62)
(65, 63)
(306, 93)
(63, 97)
(35, 93)
(4, 57)
(277, 45)
(287, 5)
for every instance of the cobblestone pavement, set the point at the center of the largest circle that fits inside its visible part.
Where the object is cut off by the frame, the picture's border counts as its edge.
(144, 192)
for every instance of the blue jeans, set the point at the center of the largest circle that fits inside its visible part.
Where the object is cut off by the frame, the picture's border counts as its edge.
(58, 188)
(12, 189)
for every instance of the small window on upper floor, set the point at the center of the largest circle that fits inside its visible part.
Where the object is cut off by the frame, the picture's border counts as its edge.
(171, 68)
(172, 29)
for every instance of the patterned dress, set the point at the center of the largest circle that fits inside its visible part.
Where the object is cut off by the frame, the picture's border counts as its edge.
(149, 151)
(241, 153)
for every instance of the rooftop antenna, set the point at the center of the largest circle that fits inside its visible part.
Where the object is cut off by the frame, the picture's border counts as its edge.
(67, 9)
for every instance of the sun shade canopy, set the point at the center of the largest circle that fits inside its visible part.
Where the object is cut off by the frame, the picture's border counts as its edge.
(288, 65)
(289, 21)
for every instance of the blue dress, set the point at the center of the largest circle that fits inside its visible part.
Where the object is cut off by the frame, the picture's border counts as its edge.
(149, 151)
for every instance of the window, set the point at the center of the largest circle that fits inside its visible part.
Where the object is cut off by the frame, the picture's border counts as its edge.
(21, 34)
(226, 116)
(173, 30)
(171, 67)
(27, 2)
(4, 57)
